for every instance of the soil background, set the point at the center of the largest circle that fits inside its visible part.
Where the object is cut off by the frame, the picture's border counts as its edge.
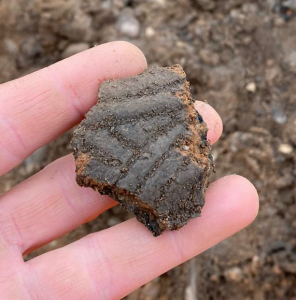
(240, 56)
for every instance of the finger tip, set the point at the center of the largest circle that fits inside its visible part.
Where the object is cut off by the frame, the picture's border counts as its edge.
(249, 197)
(239, 196)
(212, 119)
(132, 53)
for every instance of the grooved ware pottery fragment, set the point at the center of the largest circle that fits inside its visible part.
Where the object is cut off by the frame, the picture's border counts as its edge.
(145, 145)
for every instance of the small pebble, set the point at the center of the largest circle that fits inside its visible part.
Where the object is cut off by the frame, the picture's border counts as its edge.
(128, 25)
(251, 87)
(180, 44)
(279, 116)
(206, 4)
(247, 40)
(291, 60)
(215, 154)
(208, 57)
(74, 49)
(276, 270)
(214, 278)
(255, 264)
(234, 274)
(11, 46)
(113, 221)
(31, 47)
(149, 32)
(161, 2)
(106, 5)
(186, 148)
(53, 244)
(279, 22)
(189, 293)
(285, 148)
(7, 186)
(270, 63)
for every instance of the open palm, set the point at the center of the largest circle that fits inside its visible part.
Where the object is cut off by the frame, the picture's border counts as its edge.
(112, 263)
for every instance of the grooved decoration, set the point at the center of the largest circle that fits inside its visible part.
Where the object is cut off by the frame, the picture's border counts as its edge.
(144, 145)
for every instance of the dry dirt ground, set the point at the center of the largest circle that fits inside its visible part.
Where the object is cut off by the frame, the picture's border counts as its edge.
(241, 57)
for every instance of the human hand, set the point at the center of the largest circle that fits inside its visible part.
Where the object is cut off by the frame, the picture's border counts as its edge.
(112, 263)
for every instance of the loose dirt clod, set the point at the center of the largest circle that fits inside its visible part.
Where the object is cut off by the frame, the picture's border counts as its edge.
(145, 145)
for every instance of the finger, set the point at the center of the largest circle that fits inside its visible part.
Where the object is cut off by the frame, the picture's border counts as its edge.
(39, 107)
(212, 119)
(110, 264)
(48, 205)
(53, 204)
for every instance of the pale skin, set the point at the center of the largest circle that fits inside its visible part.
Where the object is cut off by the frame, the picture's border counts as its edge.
(112, 263)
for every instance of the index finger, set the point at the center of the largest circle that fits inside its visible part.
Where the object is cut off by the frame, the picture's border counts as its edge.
(41, 106)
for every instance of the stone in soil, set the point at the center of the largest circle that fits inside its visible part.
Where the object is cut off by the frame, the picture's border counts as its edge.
(145, 145)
